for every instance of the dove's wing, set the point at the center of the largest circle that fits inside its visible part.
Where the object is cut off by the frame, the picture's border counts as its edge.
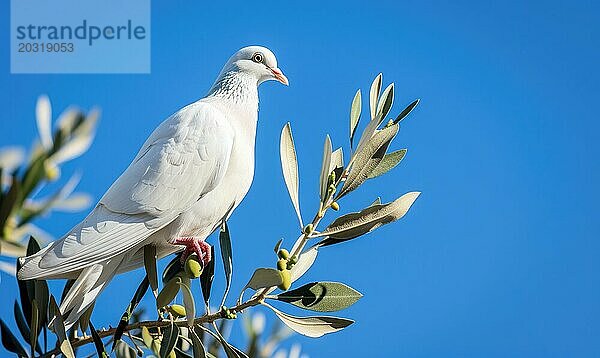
(185, 158)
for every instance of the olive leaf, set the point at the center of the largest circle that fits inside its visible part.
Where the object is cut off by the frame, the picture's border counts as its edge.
(9, 200)
(305, 261)
(33, 246)
(385, 103)
(367, 134)
(382, 110)
(147, 337)
(84, 320)
(321, 296)
(197, 347)
(24, 295)
(207, 276)
(289, 166)
(43, 114)
(150, 266)
(169, 339)
(59, 330)
(231, 351)
(374, 94)
(10, 342)
(368, 158)
(352, 225)
(225, 243)
(324, 177)
(406, 111)
(264, 277)
(41, 296)
(355, 110)
(172, 269)
(35, 326)
(188, 302)
(337, 160)
(80, 140)
(98, 342)
(32, 176)
(22, 325)
(277, 245)
(135, 300)
(168, 292)
(389, 161)
(124, 350)
(239, 353)
(27, 289)
(312, 326)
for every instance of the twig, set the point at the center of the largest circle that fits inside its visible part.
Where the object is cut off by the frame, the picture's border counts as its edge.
(207, 318)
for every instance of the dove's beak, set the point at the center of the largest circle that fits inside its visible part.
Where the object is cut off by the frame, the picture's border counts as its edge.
(279, 76)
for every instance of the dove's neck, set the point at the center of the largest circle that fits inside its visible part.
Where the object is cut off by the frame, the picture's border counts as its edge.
(237, 87)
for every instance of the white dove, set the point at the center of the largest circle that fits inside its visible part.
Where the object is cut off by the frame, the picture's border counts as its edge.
(187, 178)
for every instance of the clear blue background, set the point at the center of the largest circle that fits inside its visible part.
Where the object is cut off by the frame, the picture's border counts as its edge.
(498, 257)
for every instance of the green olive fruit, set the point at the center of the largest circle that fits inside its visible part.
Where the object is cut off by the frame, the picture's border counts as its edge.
(286, 279)
(281, 264)
(308, 229)
(283, 254)
(335, 206)
(193, 268)
(177, 310)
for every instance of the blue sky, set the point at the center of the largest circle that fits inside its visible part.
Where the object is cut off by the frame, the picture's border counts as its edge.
(498, 257)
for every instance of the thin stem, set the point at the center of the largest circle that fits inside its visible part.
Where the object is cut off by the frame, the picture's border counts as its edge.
(319, 215)
(207, 318)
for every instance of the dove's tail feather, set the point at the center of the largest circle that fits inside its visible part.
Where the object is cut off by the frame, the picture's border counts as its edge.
(88, 285)
(31, 269)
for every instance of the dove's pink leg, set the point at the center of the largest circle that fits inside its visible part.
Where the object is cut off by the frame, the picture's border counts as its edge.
(194, 245)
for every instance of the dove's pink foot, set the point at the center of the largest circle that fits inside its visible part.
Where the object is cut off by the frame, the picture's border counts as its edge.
(194, 245)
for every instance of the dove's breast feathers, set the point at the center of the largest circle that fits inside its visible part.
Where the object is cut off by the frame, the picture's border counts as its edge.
(204, 216)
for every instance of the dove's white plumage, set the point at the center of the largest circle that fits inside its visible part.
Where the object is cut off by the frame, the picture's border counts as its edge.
(189, 175)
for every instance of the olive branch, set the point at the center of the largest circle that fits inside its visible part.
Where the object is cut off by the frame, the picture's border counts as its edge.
(178, 324)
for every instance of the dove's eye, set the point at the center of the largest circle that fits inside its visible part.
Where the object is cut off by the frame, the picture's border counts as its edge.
(257, 57)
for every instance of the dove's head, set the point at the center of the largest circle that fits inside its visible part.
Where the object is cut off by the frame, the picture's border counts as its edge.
(258, 62)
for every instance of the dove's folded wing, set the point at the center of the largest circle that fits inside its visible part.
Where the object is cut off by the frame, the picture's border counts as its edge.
(185, 158)
(175, 167)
